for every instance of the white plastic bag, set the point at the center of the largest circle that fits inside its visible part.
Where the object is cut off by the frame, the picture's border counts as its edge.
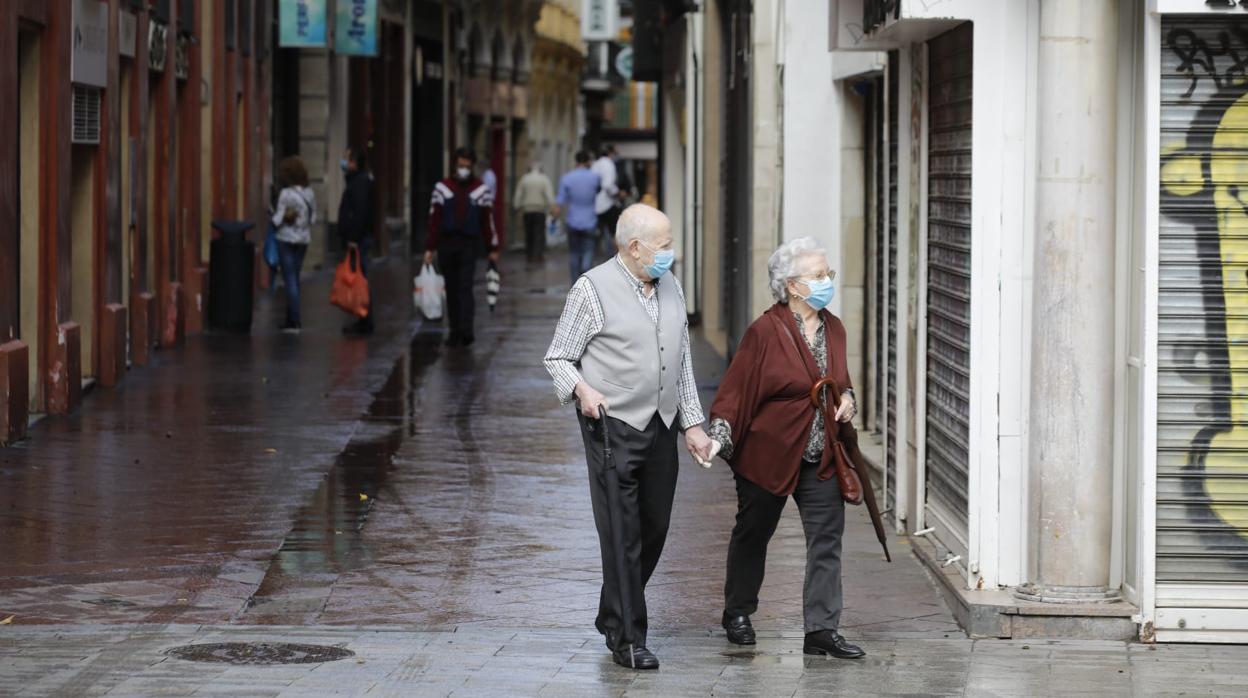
(556, 236)
(429, 292)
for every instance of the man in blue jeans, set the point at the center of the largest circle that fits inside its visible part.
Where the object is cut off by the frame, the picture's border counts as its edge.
(577, 190)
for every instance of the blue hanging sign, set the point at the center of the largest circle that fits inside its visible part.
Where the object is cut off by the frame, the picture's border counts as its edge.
(355, 28)
(303, 23)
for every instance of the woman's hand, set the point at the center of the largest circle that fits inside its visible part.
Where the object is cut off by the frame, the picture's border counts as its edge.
(698, 443)
(848, 408)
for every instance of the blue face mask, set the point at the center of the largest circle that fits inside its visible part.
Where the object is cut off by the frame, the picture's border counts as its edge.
(821, 293)
(343, 164)
(662, 261)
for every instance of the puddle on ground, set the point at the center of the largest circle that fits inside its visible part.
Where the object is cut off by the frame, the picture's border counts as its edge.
(325, 537)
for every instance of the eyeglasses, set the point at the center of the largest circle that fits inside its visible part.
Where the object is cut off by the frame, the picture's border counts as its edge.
(829, 275)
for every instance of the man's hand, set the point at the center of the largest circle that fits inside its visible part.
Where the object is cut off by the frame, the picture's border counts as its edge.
(590, 400)
(847, 410)
(493, 256)
(554, 211)
(428, 256)
(710, 456)
(698, 443)
(353, 246)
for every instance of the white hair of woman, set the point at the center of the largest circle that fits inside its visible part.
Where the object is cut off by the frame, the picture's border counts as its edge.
(783, 264)
(639, 222)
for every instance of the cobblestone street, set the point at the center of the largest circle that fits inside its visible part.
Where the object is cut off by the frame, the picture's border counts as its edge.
(426, 508)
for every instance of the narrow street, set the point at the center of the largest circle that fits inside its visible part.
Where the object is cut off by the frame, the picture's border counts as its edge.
(425, 509)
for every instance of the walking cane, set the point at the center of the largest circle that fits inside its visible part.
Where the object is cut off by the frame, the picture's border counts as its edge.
(849, 437)
(615, 520)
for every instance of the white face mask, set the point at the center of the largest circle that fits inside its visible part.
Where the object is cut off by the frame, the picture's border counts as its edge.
(463, 173)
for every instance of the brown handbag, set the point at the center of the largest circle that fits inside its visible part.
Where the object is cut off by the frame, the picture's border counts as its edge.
(846, 476)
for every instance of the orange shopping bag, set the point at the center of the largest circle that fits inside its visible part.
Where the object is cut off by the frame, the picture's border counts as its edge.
(350, 290)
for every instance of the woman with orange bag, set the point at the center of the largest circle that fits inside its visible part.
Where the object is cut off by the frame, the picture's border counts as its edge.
(764, 425)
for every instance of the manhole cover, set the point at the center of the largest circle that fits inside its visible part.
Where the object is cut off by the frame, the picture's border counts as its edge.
(260, 653)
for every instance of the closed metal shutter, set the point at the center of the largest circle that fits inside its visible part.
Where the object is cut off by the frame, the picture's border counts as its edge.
(879, 223)
(949, 286)
(1202, 352)
(890, 471)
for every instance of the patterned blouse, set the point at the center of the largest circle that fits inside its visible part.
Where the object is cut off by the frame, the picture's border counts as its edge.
(721, 430)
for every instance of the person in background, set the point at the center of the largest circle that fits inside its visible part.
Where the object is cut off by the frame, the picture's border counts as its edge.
(577, 191)
(461, 225)
(606, 203)
(293, 218)
(534, 197)
(355, 221)
(490, 179)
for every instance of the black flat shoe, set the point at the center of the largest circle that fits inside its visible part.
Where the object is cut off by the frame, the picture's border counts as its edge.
(830, 643)
(641, 658)
(740, 631)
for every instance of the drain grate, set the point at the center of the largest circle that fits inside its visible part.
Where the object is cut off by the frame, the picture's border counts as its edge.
(260, 653)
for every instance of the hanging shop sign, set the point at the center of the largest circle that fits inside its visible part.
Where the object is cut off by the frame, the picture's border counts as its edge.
(89, 55)
(355, 28)
(303, 23)
(128, 32)
(599, 20)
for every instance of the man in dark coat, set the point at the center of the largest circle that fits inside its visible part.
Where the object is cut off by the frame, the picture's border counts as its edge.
(461, 226)
(355, 222)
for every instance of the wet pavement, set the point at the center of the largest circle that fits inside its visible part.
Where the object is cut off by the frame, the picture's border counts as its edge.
(427, 509)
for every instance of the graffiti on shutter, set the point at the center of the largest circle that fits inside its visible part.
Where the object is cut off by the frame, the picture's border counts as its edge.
(949, 286)
(1202, 352)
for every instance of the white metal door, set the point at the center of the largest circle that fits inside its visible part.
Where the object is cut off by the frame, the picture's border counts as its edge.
(1202, 352)
(948, 338)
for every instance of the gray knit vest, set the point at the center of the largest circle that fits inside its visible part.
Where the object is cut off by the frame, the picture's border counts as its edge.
(633, 363)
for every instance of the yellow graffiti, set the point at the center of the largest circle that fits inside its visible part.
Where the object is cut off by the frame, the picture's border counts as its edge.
(1225, 469)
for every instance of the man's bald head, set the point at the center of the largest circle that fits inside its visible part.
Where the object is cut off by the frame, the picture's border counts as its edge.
(642, 222)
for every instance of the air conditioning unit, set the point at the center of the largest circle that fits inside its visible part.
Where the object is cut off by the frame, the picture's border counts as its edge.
(156, 46)
(182, 57)
(86, 108)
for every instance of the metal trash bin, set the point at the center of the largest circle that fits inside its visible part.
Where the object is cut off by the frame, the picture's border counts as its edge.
(231, 268)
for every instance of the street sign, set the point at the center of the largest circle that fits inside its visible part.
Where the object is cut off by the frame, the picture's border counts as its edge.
(599, 20)
(302, 24)
(355, 28)
(624, 63)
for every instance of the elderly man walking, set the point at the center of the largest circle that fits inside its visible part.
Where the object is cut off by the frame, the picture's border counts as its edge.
(622, 344)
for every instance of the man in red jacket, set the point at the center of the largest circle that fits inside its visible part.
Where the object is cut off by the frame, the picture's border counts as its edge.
(460, 228)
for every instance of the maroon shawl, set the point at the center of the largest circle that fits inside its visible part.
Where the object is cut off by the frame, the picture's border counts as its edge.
(765, 397)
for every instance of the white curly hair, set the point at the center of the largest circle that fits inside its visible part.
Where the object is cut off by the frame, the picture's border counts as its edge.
(782, 265)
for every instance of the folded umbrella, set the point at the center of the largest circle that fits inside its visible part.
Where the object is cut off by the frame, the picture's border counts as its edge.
(848, 436)
(493, 282)
(615, 519)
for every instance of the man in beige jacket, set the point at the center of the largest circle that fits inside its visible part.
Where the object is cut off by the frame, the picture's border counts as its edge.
(534, 197)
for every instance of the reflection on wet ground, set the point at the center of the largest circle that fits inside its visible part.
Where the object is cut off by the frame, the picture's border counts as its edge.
(317, 480)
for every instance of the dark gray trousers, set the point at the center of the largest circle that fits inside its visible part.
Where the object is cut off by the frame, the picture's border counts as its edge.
(823, 518)
(647, 465)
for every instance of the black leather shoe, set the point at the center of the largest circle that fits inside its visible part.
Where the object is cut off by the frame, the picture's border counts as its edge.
(641, 658)
(830, 642)
(740, 631)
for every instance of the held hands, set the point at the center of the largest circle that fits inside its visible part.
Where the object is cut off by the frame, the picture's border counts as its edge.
(493, 256)
(847, 410)
(590, 400)
(700, 446)
(710, 456)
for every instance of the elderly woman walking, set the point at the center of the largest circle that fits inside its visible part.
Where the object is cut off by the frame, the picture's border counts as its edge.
(764, 424)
